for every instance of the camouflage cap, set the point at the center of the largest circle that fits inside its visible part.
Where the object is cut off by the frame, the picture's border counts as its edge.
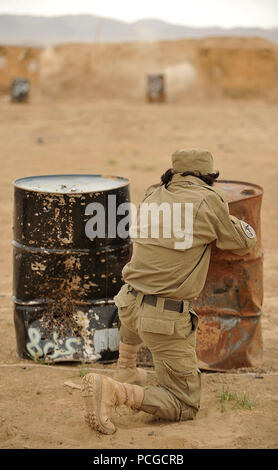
(192, 160)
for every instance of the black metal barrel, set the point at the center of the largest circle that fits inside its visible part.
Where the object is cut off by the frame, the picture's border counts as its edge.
(65, 277)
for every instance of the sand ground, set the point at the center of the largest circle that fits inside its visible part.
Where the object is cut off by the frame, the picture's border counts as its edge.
(135, 140)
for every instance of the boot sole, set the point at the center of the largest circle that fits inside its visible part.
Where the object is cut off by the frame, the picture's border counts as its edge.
(91, 391)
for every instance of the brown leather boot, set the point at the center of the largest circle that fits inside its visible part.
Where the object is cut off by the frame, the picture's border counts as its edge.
(127, 372)
(101, 394)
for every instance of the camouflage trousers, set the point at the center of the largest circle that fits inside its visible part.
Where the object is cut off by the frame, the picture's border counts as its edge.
(171, 338)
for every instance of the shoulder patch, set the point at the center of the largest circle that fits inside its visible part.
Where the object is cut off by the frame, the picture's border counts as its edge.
(247, 229)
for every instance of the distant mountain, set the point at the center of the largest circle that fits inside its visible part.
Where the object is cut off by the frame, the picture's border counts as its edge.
(45, 31)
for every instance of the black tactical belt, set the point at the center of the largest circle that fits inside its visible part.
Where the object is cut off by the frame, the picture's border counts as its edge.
(169, 304)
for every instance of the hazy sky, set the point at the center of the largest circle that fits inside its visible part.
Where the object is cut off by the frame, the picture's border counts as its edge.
(224, 13)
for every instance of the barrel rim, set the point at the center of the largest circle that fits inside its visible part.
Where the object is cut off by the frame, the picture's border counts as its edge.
(250, 196)
(70, 174)
(235, 182)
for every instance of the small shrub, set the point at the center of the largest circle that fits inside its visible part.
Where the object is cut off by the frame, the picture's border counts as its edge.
(243, 401)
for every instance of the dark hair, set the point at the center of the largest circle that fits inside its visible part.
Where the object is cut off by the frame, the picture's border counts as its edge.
(209, 178)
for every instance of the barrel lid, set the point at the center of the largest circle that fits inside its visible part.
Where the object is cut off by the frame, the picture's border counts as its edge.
(70, 183)
(239, 190)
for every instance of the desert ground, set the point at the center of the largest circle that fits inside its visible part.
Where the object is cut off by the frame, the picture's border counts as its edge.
(135, 139)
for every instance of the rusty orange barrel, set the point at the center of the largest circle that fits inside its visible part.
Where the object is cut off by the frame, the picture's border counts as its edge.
(230, 306)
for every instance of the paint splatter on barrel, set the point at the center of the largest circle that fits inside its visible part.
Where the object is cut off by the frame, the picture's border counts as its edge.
(65, 281)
